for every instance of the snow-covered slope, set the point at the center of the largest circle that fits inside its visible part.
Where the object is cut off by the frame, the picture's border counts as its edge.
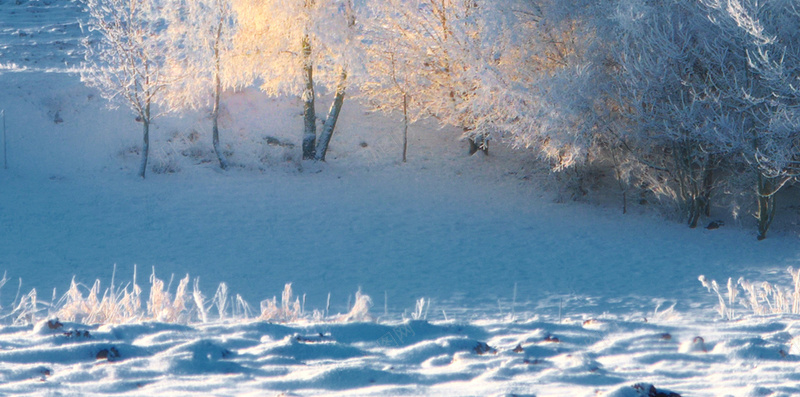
(463, 231)
(586, 292)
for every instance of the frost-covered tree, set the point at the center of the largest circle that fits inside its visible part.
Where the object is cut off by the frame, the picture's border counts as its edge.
(402, 67)
(669, 69)
(296, 47)
(530, 72)
(204, 30)
(126, 58)
(709, 87)
(766, 91)
(424, 58)
(389, 84)
(542, 85)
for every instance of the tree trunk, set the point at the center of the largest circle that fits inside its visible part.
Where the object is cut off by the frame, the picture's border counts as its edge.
(145, 140)
(309, 114)
(696, 197)
(223, 162)
(694, 212)
(708, 186)
(700, 193)
(766, 205)
(405, 126)
(5, 152)
(623, 185)
(330, 121)
(695, 177)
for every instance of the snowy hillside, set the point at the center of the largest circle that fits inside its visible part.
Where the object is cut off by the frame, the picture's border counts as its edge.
(483, 279)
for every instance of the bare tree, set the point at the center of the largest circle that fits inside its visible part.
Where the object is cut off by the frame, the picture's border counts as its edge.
(127, 62)
(429, 62)
(388, 78)
(204, 29)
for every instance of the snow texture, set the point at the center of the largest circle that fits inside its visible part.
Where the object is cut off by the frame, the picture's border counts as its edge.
(525, 296)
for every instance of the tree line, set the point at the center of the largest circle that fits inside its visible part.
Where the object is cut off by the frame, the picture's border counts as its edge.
(695, 101)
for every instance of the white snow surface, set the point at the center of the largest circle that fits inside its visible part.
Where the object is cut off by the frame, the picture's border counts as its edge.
(529, 295)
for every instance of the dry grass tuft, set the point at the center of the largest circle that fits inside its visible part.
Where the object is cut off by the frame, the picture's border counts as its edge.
(117, 304)
(762, 298)
(287, 312)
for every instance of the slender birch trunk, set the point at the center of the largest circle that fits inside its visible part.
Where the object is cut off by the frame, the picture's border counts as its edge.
(145, 139)
(5, 152)
(223, 162)
(309, 114)
(405, 126)
(330, 121)
(767, 188)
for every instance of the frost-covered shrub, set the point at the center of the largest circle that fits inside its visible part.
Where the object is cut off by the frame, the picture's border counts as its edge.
(165, 163)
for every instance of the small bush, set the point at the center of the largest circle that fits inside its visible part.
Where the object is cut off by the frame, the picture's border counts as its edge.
(165, 163)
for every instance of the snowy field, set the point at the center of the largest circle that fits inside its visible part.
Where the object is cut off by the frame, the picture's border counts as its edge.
(519, 292)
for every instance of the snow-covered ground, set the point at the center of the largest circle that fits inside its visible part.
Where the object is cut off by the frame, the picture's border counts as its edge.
(526, 294)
